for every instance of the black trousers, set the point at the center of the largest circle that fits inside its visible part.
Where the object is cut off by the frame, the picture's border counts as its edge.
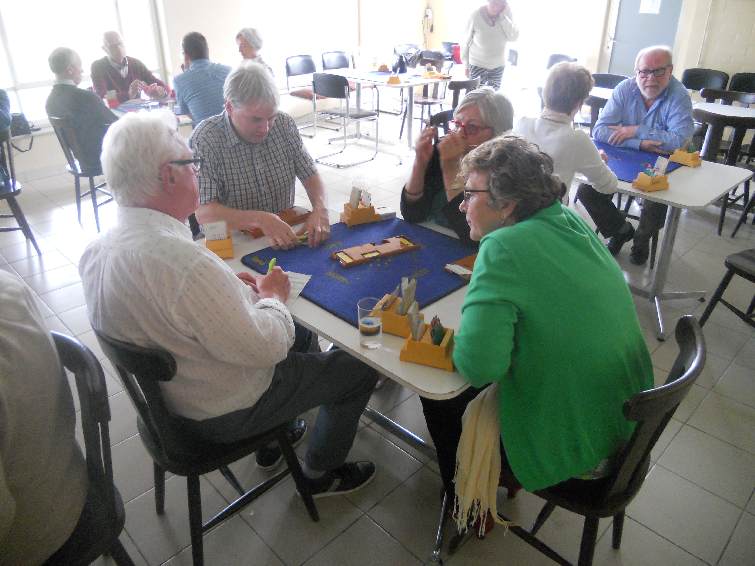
(609, 219)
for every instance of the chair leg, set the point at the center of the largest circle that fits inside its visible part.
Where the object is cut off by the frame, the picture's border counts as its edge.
(589, 537)
(722, 216)
(716, 296)
(93, 195)
(77, 187)
(618, 529)
(22, 223)
(119, 554)
(403, 121)
(653, 248)
(545, 512)
(231, 478)
(159, 474)
(751, 308)
(302, 485)
(195, 519)
(746, 211)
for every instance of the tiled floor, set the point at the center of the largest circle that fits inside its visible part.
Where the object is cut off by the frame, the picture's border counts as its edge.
(696, 507)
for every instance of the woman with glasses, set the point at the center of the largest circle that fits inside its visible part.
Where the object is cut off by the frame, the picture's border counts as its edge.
(572, 151)
(434, 191)
(547, 317)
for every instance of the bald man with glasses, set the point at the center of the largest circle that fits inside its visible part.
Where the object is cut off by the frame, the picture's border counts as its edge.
(652, 112)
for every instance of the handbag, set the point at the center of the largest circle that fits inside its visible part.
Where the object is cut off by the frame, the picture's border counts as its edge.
(20, 126)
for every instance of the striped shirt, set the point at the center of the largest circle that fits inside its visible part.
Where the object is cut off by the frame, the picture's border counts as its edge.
(250, 176)
(199, 90)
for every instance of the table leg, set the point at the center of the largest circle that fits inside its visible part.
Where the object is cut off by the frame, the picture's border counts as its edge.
(403, 433)
(655, 291)
(358, 129)
(410, 118)
(712, 142)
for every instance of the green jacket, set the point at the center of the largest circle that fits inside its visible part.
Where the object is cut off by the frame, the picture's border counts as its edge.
(549, 316)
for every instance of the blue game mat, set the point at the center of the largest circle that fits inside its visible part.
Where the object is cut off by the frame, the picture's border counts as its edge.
(626, 162)
(337, 289)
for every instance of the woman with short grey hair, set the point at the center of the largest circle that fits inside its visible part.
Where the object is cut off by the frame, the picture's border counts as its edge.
(433, 191)
(249, 42)
(572, 151)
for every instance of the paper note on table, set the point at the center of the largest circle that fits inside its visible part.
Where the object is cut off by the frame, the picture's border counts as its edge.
(298, 282)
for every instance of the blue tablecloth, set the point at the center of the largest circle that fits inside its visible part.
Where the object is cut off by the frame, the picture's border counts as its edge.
(337, 289)
(626, 163)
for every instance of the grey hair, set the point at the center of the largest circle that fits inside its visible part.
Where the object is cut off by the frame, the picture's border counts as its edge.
(567, 86)
(133, 150)
(495, 109)
(517, 172)
(652, 49)
(250, 82)
(60, 59)
(252, 37)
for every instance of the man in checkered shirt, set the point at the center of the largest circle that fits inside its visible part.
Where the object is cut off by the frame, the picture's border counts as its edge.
(252, 154)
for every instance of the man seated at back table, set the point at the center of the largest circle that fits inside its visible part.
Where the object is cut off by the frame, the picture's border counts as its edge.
(252, 155)
(127, 76)
(88, 115)
(651, 112)
(199, 89)
(242, 367)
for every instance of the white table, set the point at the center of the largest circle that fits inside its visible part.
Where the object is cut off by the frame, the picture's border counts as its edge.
(408, 80)
(692, 188)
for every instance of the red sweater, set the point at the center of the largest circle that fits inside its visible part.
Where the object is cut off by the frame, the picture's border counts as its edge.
(105, 77)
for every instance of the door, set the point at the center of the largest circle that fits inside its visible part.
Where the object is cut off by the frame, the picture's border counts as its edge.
(635, 30)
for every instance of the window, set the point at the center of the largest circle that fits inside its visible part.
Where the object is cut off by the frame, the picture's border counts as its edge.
(28, 36)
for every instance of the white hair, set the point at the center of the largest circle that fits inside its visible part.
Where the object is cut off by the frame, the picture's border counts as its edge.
(250, 82)
(652, 49)
(252, 37)
(60, 59)
(495, 109)
(133, 150)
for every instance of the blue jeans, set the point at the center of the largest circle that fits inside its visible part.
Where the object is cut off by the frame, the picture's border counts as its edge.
(339, 384)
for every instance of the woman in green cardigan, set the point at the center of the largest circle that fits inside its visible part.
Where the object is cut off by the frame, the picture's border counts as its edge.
(547, 316)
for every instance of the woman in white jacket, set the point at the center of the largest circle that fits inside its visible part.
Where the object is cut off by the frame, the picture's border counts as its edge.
(483, 50)
(572, 151)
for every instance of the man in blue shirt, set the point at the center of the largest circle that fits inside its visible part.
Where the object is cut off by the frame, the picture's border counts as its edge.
(653, 112)
(199, 89)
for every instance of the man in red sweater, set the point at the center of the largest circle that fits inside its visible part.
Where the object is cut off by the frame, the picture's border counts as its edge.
(127, 76)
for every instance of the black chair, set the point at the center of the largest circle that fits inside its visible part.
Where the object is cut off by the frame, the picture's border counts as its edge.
(98, 533)
(555, 58)
(651, 410)
(743, 218)
(69, 143)
(441, 119)
(336, 86)
(432, 95)
(336, 60)
(713, 139)
(296, 66)
(608, 80)
(742, 264)
(596, 104)
(696, 79)
(10, 188)
(175, 450)
(742, 82)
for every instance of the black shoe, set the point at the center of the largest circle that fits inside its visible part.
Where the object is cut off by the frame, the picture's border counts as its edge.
(639, 254)
(347, 478)
(616, 242)
(271, 456)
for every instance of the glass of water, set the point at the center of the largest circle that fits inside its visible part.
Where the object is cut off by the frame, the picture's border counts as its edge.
(370, 323)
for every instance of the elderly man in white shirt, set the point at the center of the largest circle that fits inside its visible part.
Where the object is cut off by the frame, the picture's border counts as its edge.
(572, 151)
(146, 282)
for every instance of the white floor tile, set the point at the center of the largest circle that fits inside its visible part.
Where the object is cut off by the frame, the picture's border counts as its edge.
(132, 468)
(741, 547)
(727, 420)
(364, 544)
(721, 468)
(131, 549)
(684, 513)
(737, 383)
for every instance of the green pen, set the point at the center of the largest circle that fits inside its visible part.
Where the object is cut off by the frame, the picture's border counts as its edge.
(271, 265)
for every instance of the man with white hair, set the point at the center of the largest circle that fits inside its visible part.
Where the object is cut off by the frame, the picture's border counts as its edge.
(253, 154)
(651, 112)
(127, 76)
(146, 282)
(89, 117)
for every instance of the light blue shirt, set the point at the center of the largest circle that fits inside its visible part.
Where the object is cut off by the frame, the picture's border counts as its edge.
(668, 120)
(199, 90)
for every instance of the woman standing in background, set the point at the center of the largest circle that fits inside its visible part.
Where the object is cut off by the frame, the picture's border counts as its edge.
(483, 50)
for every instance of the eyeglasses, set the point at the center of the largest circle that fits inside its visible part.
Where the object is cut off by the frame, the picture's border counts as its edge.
(196, 163)
(468, 129)
(657, 73)
(468, 193)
